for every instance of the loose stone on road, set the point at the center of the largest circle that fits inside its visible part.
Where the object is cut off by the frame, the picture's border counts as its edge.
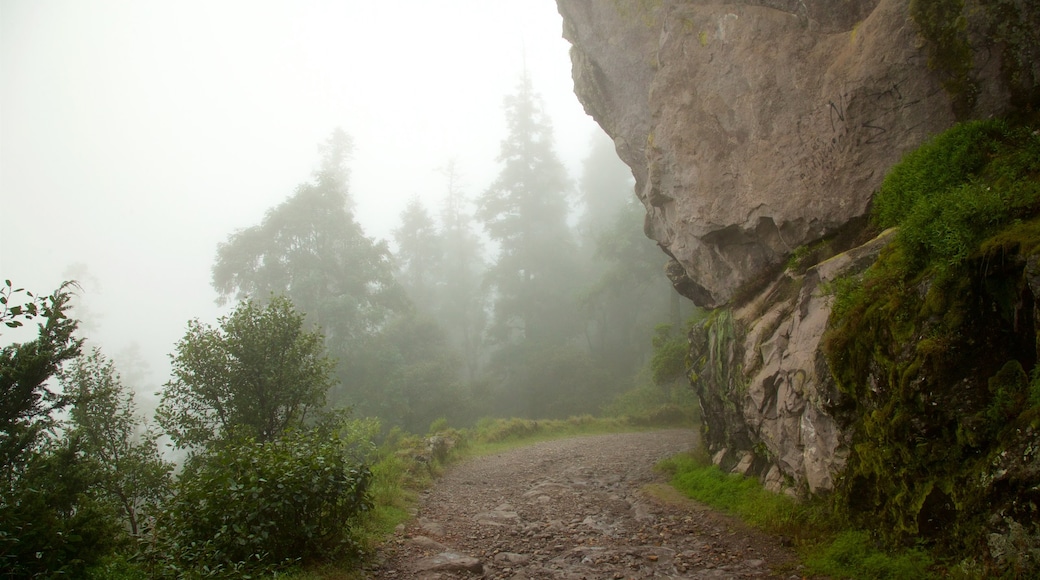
(586, 507)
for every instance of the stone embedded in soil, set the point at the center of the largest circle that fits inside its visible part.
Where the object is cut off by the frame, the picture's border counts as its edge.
(511, 558)
(450, 562)
(431, 527)
(428, 544)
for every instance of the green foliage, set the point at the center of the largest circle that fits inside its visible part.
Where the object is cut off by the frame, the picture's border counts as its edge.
(743, 496)
(406, 374)
(546, 381)
(419, 250)
(929, 348)
(628, 295)
(1010, 393)
(51, 521)
(254, 506)
(668, 363)
(130, 472)
(514, 430)
(846, 290)
(839, 554)
(259, 374)
(311, 249)
(947, 161)
(26, 402)
(525, 212)
(852, 554)
(116, 567)
(958, 189)
(457, 299)
(649, 404)
(14, 315)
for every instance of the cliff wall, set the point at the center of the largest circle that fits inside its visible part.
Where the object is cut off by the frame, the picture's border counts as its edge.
(758, 132)
(754, 127)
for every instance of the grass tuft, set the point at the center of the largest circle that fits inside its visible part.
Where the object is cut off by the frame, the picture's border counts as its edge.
(825, 547)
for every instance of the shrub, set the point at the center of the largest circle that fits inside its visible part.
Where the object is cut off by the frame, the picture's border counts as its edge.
(961, 187)
(945, 162)
(251, 505)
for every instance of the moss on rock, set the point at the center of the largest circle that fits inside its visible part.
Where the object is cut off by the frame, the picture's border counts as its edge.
(936, 349)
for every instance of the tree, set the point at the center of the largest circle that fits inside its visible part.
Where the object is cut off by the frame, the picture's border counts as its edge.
(124, 456)
(418, 250)
(26, 402)
(630, 296)
(50, 520)
(409, 376)
(606, 186)
(258, 374)
(311, 249)
(525, 213)
(461, 301)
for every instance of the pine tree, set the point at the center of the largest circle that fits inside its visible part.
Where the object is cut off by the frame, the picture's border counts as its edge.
(461, 300)
(418, 250)
(525, 213)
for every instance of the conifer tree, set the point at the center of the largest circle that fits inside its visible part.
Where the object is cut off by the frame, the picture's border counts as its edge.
(525, 213)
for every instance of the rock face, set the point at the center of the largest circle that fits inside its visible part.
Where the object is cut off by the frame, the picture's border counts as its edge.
(758, 132)
(765, 388)
(754, 127)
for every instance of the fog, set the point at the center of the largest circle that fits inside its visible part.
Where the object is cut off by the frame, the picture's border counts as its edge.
(136, 136)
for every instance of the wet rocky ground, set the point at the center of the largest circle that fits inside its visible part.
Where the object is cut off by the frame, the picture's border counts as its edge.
(582, 508)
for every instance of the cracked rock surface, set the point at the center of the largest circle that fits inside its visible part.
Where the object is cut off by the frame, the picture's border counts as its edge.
(588, 507)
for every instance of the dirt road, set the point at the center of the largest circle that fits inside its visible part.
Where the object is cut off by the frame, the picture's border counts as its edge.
(588, 507)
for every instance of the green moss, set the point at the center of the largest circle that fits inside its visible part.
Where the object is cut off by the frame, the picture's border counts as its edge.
(935, 345)
(854, 554)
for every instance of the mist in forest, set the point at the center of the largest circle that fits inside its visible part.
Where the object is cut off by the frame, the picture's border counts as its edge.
(262, 264)
(418, 179)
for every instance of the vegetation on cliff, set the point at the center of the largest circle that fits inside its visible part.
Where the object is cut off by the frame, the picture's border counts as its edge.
(935, 349)
(953, 29)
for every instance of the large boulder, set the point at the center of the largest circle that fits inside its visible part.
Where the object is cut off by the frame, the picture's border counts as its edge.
(755, 127)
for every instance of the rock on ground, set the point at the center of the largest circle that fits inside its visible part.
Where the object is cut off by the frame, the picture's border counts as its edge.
(587, 507)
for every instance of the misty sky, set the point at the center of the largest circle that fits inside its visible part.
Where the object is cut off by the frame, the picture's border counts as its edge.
(136, 135)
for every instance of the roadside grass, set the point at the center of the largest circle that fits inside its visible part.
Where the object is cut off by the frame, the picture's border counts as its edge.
(498, 435)
(826, 546)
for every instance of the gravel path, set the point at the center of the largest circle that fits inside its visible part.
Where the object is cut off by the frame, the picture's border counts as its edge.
(587, 507)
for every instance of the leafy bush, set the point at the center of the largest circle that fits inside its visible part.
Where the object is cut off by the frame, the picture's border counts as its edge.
(944, 162)
(959, 188)
(495, 430)
(668, 363)
(252, 505)
(51, 522)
